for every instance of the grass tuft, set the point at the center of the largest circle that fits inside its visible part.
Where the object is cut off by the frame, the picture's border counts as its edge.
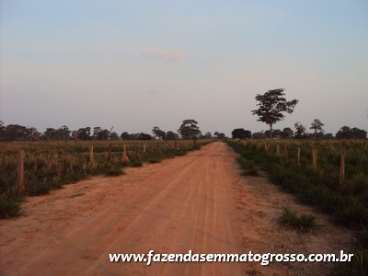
(302, 223)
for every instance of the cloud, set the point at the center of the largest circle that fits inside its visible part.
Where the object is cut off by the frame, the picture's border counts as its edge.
(170, 55)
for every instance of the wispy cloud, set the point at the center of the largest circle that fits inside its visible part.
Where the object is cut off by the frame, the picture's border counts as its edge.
(171, 55)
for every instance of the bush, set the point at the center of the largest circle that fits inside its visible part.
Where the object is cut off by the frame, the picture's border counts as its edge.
(303, 223)
(115, 170)
(248, 167)
(9, 207)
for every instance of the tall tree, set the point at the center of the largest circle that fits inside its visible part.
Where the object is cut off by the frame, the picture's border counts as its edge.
(189, 129)
(272, 107)
(317, 127)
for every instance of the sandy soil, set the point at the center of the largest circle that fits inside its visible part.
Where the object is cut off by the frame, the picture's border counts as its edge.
(196, 202)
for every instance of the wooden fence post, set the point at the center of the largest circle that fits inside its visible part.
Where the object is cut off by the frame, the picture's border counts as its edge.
(144, 148)
(298, 156)
(315, 158)
(91, 156)
(109, 153)
(342, 167)
(21, 188)
(125, 155)
(278, 150)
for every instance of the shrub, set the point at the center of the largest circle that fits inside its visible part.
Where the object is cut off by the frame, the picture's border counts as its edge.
(115, 170)
(9, 207)
(303, 223)
(248, 167)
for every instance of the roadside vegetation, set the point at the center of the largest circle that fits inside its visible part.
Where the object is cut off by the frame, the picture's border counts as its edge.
(33, 163)
(330, 175)
(302, 223)
(50, 165)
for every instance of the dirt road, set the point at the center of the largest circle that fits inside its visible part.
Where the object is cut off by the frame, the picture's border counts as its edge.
(196, 202)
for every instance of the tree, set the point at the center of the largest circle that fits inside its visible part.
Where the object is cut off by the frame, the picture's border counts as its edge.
(144, 136)
(171, 135)
(219, 135)
(317, 127)
(16, 132)
(189, 129)
(84, 133)
(125, 135)
(275, 133)
(241, 133)
(207, 135)
(50, 134)
(287, 133)
(351, 133)
(104, 134)
(114, 136)
(272, 105)
(299, 130)
(259, 135)
(157, 132)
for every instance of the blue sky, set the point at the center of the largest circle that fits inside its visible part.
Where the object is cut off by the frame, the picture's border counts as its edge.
(137, 64)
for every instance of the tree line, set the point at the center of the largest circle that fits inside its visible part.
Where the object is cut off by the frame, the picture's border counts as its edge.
(188, 129)
(299, 132)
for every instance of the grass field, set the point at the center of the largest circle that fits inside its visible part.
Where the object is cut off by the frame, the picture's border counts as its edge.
(35, 168)
(330, 175)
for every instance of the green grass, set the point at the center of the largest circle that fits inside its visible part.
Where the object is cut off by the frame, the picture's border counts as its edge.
(302, 223)
(248, 167)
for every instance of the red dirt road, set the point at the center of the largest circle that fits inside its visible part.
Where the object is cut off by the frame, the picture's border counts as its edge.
(196, 202)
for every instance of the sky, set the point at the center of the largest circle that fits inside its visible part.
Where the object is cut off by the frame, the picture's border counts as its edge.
(133, 65)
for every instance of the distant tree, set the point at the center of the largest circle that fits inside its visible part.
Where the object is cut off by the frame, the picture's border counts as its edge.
(275, 133)
(287, 133)
(259, 135)
(299, 130)
(144, 136)
(104, 134)
(159, 133)
(241, 133)
(189, 129)
(114, 136)
(351, 133)
(171, 135)
(272, 105)
(2, 131)
(63, 132)
(328, 136)
(317, 127)
(125, 135)
(219, 135)
(50, 134)
(15, 132)
(84, 133)
(207, 135)
(96, 131)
